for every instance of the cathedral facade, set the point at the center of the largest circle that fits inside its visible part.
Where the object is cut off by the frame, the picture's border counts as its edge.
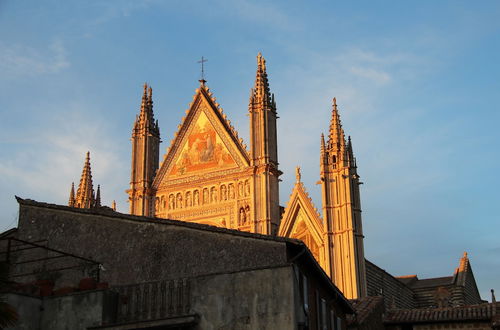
(209, 176)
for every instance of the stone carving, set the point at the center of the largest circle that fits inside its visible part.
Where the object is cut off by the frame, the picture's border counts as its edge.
(213, 195)
(205, 196)
(242, 218)
(178, 202)
(240, 189)
(223, 193)
(196, 198)
(171, 202)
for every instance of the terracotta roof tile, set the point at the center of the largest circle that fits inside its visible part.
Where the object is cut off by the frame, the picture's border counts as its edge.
(364, 308)
(466, 313)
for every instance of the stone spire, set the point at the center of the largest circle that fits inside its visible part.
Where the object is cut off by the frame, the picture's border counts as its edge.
(97, 202)
(85, 193)
(71, 201)
(145, 119)
(336, 138)
(145, 157)
(260, 95)
(349, 153)
(264, 153)
(342, 211)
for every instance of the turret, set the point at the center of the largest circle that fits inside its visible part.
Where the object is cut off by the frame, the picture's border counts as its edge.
(145, 157)
(342, 211)
(264, 153)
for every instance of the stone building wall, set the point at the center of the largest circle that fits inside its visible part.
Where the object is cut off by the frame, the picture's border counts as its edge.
(259, 299)
(135, 249)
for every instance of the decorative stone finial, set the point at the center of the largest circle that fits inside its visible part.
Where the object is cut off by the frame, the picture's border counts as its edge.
(297, 174)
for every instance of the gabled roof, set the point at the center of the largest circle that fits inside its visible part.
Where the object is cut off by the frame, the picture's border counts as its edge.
(300, 200)
(204, 108)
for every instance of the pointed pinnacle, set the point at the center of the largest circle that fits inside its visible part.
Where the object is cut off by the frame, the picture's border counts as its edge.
(260, 95)
(84, 194)
(336, 135)
(72, 195)
(98, 196)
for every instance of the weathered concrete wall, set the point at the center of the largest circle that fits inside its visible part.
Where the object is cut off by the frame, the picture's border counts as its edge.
(445, 325)
(74, 311)
(28, 308)
(134, 250)
(258, 299)
(78, 311)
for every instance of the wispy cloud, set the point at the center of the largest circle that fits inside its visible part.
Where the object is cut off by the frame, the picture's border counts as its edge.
(51, 159)
(377, 76)
(19, 59)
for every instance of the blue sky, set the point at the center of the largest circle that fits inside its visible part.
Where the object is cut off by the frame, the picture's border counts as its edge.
(416, 82)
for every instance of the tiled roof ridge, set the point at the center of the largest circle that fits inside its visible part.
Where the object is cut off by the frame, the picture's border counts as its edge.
(364, 307)
(462, 313)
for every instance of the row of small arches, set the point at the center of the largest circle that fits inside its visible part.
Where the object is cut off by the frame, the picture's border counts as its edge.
(209, 195)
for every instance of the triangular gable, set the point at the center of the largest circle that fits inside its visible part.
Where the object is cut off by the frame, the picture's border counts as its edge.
(205, 142)
(301, 218)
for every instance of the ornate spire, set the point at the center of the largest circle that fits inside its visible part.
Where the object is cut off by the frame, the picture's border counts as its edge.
(85, 192)
(350, 154)
(146, 116)
(71, 201)
(97, 202)
(336, 138)
(144, 103)
(260, 95)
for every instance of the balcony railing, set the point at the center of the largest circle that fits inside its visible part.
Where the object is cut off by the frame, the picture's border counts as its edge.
(153, 300)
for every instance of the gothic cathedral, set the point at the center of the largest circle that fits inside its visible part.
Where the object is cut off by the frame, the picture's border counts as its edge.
(209, 176)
